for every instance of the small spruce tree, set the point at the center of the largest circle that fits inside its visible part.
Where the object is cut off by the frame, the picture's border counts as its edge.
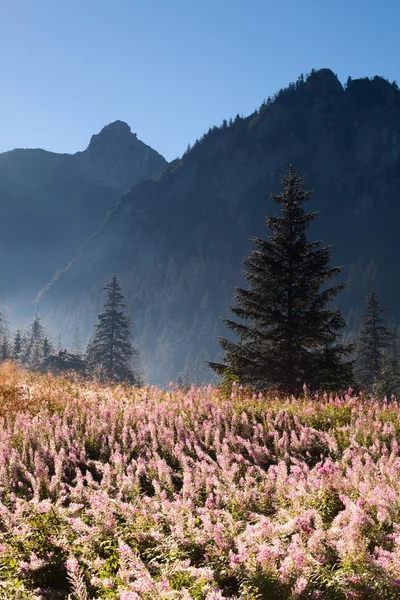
(17, 346)
(372, 343)
(33, 355)
(3, 320)
(59, 342)
(110, 351)
(388, 382)
(288, 335)
(5, 348)
(47, 347)
(77, 342)
(4, 332)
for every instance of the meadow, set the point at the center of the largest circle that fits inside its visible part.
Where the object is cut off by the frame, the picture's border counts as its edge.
(144, 494)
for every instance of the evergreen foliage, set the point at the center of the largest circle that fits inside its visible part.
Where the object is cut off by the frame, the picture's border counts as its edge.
(373, 341)
(388, 383)
(47, 347)
(34, 344)
(290, 335)
(17, 346)
(77, 342)
(59, 342)
(5, 348)
(110, 352)
(4, 332)
(64, 362)
(3, 320)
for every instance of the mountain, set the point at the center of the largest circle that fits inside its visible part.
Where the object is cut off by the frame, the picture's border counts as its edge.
(176, 243)
(51, 203)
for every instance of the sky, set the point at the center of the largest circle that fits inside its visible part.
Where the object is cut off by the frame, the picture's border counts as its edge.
(172, 68)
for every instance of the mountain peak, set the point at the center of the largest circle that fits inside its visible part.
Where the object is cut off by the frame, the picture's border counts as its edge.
(324, 81)
(117, 131)
(116, 158)
(116, 126)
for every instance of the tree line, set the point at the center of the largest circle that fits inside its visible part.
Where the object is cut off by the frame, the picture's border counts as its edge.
(109, 355)
(287, 333)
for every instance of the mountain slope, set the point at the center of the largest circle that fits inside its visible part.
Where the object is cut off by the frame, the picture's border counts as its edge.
(52, 202)
(176, 243)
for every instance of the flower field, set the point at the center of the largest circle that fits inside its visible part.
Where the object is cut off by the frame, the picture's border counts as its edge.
(146, 494)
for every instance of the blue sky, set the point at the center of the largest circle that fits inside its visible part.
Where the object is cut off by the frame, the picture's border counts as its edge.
(172, 68)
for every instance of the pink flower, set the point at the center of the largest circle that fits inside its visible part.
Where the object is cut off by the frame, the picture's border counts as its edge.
(267, 555)
(44, 506)
(300, 585)
(142, 584)
(215, 595)
(165, 585)
(72, 563)
(129, 596)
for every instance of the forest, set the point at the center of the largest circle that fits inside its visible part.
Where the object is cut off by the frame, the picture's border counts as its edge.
(290, 334)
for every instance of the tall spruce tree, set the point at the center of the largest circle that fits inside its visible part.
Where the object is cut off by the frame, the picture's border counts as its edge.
(289, 335)
(110, 351)
(372, 343)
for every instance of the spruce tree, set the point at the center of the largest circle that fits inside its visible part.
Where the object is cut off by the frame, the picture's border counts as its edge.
(47, 347)
(5, 348)
(110, 351)
(17, 346)
(373, 341)
(3, 320)
(4, 332)
(288, 335)
(90, 354)
(388, 382)
(34, 344)
(77, 342)
(59, 342)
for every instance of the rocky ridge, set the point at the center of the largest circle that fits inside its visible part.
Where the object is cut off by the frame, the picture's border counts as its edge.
(176, 243)
(51, 203)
